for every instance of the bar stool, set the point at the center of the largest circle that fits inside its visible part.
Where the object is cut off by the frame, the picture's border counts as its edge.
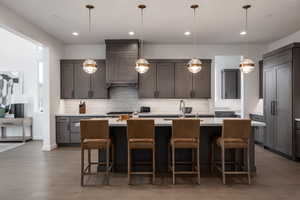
(94, 135)
(140, 135)
(235, 135)
(185, 135)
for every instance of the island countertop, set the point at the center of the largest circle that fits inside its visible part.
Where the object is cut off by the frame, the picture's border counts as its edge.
(168, 122)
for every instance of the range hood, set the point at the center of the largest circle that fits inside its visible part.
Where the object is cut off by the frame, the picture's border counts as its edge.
(121, 56)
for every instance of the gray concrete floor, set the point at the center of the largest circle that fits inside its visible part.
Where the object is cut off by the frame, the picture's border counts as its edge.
(28, 173)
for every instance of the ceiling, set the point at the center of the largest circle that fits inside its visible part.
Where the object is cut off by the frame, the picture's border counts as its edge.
(219, 21)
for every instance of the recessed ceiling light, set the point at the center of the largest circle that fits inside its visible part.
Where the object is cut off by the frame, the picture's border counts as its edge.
(243, 33)
(75, 33)
(131, 33)
(187, 33)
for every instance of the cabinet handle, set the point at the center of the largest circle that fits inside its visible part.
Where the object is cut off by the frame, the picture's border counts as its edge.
(156, 94)
(73, 94)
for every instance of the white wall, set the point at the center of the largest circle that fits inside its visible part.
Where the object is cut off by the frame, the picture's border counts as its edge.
(25, 62)
(18, 24)
(225, 62)
(153, 51)
(295, 37)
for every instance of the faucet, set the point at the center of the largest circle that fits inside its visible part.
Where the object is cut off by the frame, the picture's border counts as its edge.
(182, 107)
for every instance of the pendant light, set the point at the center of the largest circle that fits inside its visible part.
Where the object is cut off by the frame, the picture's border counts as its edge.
(142, 65)
(90, 65)
(195, 64)
(247, 65)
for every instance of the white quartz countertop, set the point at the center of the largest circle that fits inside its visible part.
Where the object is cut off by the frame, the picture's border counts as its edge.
(297, 119)
(168, 122)
(141, 114)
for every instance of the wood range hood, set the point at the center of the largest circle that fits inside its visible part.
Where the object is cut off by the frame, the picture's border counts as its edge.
(121, 55)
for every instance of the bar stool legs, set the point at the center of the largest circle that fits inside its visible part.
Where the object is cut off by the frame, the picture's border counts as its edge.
(223, 164)
(82, 168)
(153, 166)
(198, 163)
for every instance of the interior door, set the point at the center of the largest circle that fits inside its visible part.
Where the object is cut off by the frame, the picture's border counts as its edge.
(165, 80)
(183, 81)
(269, 99)
(283, 109)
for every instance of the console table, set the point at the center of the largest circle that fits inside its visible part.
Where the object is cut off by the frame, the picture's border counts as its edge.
(15, 122)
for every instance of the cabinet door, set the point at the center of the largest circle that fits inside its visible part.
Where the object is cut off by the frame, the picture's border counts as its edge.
(183, 81)
(67, 80)
(283, 109)
(165, 80)
(62, 130)
(231, 84)
(147, 83)
(98, 82)
(261, 72)
(269, 98)
(82, 81)
(202, 81)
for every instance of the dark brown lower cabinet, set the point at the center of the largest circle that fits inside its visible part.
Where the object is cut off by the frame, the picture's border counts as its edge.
(282, 99)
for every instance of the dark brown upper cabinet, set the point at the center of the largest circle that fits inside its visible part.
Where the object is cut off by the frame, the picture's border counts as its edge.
(261, 79)
(147, 83)
(121, 56)
(183, 81)
(170, 78)
(202, 81)
(67, 79)
(231, 79)
(165, 83)
(76, 84)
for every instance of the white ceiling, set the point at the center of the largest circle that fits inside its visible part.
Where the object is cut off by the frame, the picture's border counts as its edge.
(219, 21)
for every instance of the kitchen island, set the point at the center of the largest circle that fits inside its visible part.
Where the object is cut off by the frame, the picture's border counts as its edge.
(210, 128)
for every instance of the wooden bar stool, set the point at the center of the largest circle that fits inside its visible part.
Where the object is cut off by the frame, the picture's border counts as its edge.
(186, 135)
(94, 135)
(235, 135)
(140, 135)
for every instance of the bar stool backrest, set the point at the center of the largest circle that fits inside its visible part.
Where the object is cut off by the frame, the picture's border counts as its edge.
(94, 129)
(140, 128)
(236, 128)
(185, 128)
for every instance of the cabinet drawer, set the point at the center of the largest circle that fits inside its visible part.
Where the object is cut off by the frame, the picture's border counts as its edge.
(255, 117)
(62, 119)
(297, 125)
(75, 138)
(74, 123)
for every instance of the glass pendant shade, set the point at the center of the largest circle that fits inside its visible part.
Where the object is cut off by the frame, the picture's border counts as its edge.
(142, 65)
(247, 66)
(90, 66)
(194, 65)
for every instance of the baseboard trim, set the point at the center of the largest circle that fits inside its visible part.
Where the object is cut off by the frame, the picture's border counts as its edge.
(49, 147)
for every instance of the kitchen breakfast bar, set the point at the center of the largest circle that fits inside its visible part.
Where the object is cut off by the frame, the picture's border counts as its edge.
(210, 129)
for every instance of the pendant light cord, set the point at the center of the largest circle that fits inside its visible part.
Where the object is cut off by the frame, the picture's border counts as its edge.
(195, 34)
(142, 32)
(90, 23)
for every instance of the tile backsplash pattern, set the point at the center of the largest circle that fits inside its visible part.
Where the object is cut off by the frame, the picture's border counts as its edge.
(126, 99)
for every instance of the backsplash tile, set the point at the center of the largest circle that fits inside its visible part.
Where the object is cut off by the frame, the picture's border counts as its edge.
(126, 99)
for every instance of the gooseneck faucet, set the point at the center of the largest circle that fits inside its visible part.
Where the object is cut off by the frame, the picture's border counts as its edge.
(182, 107)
